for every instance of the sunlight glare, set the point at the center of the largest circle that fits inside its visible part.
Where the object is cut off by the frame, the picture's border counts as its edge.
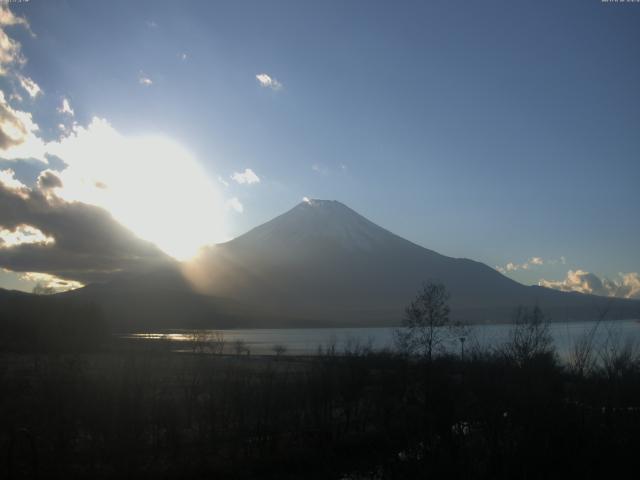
(150, 184)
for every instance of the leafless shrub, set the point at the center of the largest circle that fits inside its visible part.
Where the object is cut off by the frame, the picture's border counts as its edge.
(203, 341)
(240, 347)
(329, 349)
(427, 326)
(618, 356)
(355, 347)
(216, 343)
(582, 359)
(279, 350)
(529, 338)
(198, 340)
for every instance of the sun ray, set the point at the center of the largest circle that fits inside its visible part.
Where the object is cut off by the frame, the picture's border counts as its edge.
(150, 184)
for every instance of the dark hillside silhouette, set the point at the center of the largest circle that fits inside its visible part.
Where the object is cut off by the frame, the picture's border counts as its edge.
(49, 323)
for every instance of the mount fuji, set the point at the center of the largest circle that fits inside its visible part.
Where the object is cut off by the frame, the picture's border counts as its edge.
(322, 264)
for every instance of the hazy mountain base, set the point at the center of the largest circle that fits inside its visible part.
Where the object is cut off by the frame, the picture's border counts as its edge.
(143, 309)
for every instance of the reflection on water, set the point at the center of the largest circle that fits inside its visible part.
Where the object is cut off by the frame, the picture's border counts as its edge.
(306, 341)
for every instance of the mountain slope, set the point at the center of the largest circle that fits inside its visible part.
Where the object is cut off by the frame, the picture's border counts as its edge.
(322, 263)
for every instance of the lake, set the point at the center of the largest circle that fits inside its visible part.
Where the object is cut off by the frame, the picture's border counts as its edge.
(306, 341)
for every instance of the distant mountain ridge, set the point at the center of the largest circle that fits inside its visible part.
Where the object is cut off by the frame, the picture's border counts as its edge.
(322, 264)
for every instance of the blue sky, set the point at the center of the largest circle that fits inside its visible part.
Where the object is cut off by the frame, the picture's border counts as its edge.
(499, 131)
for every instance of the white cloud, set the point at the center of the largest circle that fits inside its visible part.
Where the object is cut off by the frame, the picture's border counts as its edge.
(320, 169)
(65, 108)
(8, 180)
(17, 128)
(630, 285)
(10, 52)
(248, 176)
(235, 204)
(45, 282)
(11, 57)
(7, 18)
(627, 285)
(145, 81)
(528, 264)
(23, 235)
(10, 49)
(268, 82)
(183, 56)
(18, 137)
(31, 87)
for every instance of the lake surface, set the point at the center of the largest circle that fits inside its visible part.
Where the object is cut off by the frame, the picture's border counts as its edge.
(307, 341)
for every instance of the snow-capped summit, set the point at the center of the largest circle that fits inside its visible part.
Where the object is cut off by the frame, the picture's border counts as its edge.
(314, 221)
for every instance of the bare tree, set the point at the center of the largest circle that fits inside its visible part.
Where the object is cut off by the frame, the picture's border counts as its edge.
(582, 360)
(426, 323)
(198, 340)
(279, 350)
(529, 337)
(618, 355)
(216, 343)
(203, 341)
(240, 347)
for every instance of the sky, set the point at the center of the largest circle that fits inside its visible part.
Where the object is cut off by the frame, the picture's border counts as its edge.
(505, 132)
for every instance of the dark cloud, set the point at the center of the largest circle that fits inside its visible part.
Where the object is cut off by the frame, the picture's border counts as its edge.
(89, 244)
(48, 180)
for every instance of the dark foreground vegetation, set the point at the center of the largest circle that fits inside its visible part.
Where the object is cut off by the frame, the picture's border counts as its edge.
(76, 402)
(142, 411)
(47, 323)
